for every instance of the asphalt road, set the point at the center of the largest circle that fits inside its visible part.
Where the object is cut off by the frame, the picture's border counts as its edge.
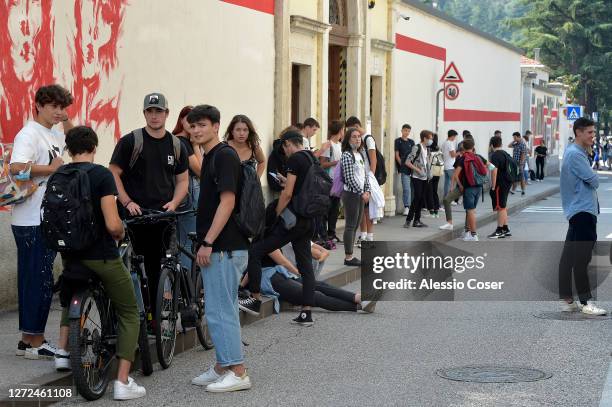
(389, 358)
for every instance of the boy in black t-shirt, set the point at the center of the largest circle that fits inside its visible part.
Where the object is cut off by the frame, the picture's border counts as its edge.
(501, 182)
(222, 254)
(299, 235)
(103, 259)
(156, 180)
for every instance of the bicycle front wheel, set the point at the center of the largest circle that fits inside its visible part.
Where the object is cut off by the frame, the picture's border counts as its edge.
(166, 310)
(90, 355)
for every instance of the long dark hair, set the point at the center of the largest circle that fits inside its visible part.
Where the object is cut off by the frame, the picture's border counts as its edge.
(252, 139)
(179, 122)
(346, 141)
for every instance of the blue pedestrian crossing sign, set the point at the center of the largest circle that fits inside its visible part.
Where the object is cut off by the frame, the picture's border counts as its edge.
(574, 112)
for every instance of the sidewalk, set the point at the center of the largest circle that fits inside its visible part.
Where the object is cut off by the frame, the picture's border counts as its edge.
(16, 370)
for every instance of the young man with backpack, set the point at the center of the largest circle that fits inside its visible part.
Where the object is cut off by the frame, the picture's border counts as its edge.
(305, 196)
(150, 168)
(37, 153)
(418, 163)
(403, 147)
(471, 173)
(222, 254)
(501, 182)
(95, 227)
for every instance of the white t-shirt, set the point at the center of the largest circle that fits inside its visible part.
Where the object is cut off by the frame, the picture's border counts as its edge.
(334, 153)
(306, 142)
(447, 147)
(370, 144)
(37, 144)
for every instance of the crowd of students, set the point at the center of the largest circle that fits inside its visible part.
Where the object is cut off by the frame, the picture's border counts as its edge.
(190, 167)
(193, 167)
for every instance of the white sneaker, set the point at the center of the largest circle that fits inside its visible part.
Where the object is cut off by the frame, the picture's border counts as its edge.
(447, 226)
(62, 361)
(406, 210)
(454, 203)
(592, 309)
(128, 391)
(571, 307)
(208, 377)
(230, 382)
(45, 351)
(470, 238)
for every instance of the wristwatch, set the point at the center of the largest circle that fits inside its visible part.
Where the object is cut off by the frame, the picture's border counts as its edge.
(206, 244)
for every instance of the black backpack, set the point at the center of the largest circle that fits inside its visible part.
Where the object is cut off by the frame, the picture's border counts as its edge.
(250, 209)
(68, 221)
(313, 199)
(512, 173)
(380, 172)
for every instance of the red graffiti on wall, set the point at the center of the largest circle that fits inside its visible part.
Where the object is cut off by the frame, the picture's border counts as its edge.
(27, 38)
(26, 62)
(94, 56)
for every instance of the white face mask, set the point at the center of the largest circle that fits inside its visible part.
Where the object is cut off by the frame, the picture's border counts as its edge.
(429, 142)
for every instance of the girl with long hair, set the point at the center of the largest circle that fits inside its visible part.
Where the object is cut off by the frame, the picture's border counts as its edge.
(356, 189)
(241, 135)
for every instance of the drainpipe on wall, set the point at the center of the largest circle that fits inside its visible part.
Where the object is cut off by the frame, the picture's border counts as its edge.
(438, 108)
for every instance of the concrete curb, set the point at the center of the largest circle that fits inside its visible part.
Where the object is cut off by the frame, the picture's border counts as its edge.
(339, 278)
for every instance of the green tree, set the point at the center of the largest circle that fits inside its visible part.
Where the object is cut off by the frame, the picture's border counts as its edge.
(575, 38)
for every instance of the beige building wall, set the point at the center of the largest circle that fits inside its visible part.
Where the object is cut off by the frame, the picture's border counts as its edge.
(192, 51)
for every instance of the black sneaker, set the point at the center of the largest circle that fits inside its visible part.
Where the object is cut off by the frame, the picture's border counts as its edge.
(354, 262)
(22, 347)
(250, 306)
(304, 319)
(407, 224)
(45, 351)
(419, 224)
(243, 293)
(334, 238)
(498, 234)
(507, 232)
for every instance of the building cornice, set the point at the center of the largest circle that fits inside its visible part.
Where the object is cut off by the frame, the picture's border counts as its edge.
(308, 25)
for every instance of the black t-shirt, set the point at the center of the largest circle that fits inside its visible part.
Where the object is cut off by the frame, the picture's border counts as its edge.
(499, 159)
(101, 183)
(150, 183)
(541, 150)
(298, 164)
(404, 147)
(460, 162)
(189, 148)
(225, 177)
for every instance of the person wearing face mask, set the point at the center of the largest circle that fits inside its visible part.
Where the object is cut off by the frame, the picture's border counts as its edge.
(418, 162)
(356, 189)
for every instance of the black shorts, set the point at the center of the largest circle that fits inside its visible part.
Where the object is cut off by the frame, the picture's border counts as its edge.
(499, 197)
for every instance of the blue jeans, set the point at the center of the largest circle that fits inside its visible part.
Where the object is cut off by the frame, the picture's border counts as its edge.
(448, 175)
(221, 281)
(406, 189)
(34, 279)
(470, 197)
(187, 223)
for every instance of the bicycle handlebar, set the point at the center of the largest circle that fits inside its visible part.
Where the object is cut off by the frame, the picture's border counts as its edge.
(151, 215)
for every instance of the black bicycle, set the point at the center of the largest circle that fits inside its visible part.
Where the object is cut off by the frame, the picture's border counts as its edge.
(180, 292)
(92, 337)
